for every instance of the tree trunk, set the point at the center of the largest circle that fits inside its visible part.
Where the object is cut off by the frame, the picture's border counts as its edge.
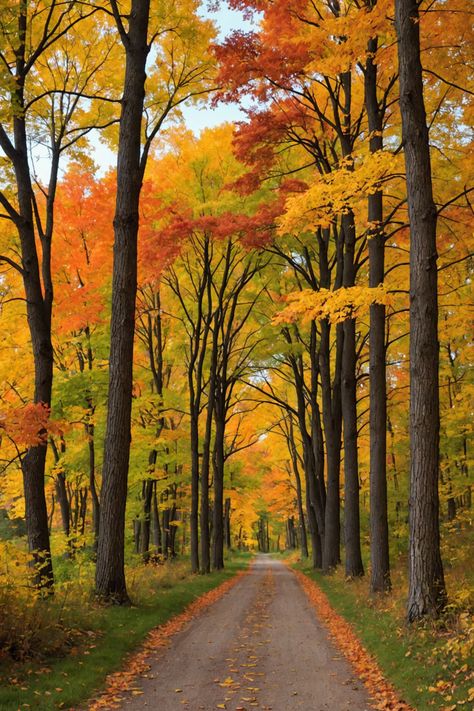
(302, 524)
(205, 541)
(90, 429)
(309, 465)
(299, 496)
(194, 514)
(332, 413)
(317, 439)
(83, 510)
(227, 532)
(166, 532)
(206, 455)
(427, 592)
(51, 513)
(317, 443)
(110, 573)
(172, 528)
(137, 529)
(183, 532)
(156, 527)
(379, 545)
(147, 495)
(218, 513)
(61, 496)
(354, 566)
(61, 491)
(332, 419)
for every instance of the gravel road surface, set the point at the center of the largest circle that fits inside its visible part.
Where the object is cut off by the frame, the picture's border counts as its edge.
(259, 647)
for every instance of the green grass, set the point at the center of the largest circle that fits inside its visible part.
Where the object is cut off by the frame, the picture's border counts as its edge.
(68, 681)
(414, 658)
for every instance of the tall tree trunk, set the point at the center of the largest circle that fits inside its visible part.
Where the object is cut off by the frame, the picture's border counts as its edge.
(379, 548)
(147, 495)
(90, 429)
(206, 451)
(331, 404)
(197, 352)
(172, 528)
(427, 592)
(51, 512)
(110, 573)
(332, 419)
(137, 530)
(156, 527)
(227, 532)
(61, 490)
(309, 465)
(61, 496)
(218, 513)
(194, 513)
(204, 509)
(299, 497)
(317, 439)
(354, 566)
(166, 532)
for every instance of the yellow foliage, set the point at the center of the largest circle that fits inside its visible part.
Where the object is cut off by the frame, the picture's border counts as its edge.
(336, 193)
(336, 306)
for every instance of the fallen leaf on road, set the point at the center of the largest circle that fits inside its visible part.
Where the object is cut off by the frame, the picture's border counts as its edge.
(227, 682)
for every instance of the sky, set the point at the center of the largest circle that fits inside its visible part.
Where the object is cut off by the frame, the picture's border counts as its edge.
(195, 118)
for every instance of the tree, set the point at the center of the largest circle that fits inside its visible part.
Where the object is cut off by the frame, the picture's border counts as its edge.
(110, 575)
(427, 592)
(43, 87)
(183, 39)
(379, 534)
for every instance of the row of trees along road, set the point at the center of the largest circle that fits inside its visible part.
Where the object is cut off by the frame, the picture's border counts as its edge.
(261, 275)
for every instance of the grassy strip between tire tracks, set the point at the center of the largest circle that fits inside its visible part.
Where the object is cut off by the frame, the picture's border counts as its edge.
(68, 682)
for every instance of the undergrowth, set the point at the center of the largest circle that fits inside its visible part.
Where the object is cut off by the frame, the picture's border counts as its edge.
(55, 652)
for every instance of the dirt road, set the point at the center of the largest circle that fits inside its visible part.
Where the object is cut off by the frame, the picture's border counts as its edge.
(259, 647)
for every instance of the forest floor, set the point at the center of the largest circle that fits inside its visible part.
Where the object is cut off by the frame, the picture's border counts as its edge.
(259, 646)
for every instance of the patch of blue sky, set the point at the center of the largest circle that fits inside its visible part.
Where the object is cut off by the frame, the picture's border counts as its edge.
(196, 117)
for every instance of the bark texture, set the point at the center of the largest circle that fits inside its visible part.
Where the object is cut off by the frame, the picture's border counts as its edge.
(110, 574)
(379, 548)
(354, 565)
(427, 593)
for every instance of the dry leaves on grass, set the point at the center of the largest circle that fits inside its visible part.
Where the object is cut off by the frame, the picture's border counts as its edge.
(137, 664)
(383, 693)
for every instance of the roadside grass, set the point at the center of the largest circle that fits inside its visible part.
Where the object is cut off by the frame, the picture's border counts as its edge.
(431, 664)
(106, 635)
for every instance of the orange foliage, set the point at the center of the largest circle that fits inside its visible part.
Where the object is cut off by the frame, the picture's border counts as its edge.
(28, 425)
(82, 262)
